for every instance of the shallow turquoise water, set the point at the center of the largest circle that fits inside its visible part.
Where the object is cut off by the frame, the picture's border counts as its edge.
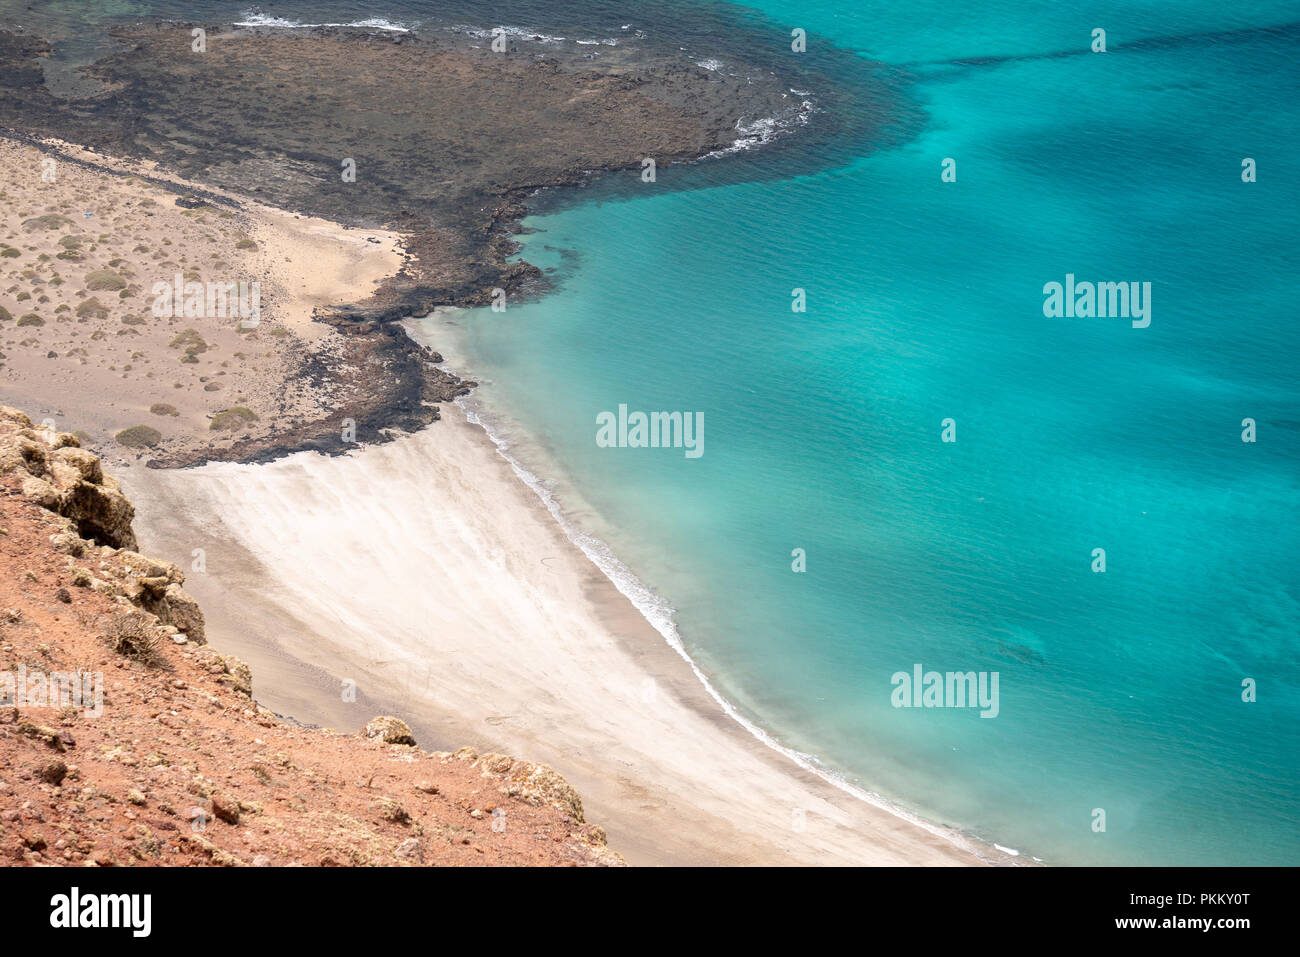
(1119, 691)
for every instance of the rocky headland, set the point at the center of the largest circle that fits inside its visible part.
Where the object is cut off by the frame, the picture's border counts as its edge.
(437, 139)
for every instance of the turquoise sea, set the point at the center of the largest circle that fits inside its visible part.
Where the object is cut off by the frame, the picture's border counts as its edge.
(1121, 691)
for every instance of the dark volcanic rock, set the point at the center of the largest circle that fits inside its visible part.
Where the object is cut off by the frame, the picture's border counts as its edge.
(447, 142)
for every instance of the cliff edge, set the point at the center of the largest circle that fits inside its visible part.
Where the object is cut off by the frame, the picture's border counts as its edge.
(126, 740)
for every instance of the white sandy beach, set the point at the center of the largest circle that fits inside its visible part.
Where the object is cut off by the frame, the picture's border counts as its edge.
(427, 572)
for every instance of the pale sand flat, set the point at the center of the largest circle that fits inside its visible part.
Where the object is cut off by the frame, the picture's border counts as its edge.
(99, 372)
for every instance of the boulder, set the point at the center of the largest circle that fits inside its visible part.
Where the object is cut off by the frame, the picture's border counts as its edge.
(184, 612)
(540, 785)
(389, 730)
(225, 808)
(234, 673)
(66, 479)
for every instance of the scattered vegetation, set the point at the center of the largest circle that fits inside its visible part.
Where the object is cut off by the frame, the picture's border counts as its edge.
(189, 339)
(139, 437)
(132, 635)
(233, 418)
(104, 279)
(192, 342)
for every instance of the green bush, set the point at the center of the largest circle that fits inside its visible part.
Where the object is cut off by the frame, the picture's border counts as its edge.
(139, 437)
(92, 308)
(233, 418)
(104, 279)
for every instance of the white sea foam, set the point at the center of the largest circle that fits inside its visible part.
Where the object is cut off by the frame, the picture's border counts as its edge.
(518, 33)
(523, 33)
(253, 18)
(661, 615)
(765, 129)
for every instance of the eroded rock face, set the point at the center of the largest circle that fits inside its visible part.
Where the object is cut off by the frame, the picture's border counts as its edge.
(60, 476)
(184, 612)
(231, 671)
(535, 784)
(64, 478)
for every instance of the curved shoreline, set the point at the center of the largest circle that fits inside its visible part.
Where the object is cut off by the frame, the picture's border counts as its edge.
(151, 99)
(428, 573)
(660, 615)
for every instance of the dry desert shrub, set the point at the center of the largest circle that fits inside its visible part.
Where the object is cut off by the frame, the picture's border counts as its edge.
(231, 419)
(131, 635)
(139, 437)
(104, 280)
